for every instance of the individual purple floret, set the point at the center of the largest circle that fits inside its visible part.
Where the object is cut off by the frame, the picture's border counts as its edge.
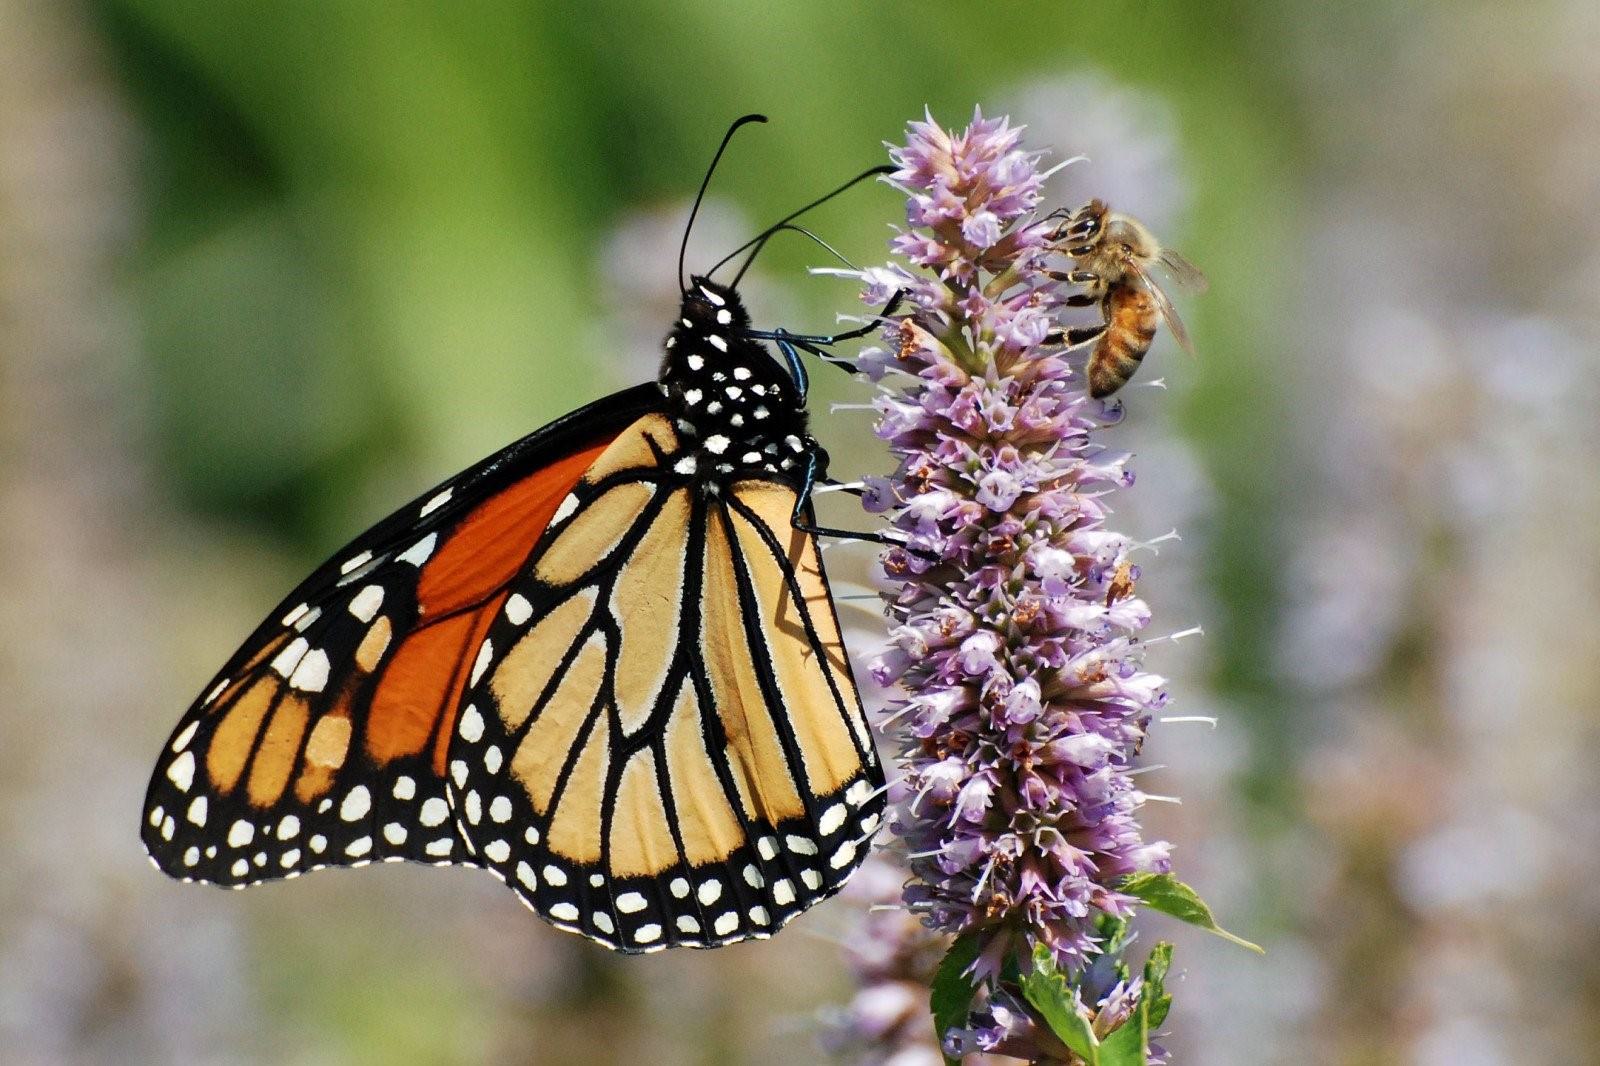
(1025, 701)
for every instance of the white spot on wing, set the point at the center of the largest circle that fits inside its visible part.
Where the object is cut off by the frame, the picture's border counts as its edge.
(418, 553)
(364, 605)
(518, 609)
(630, 903)
(355, 562)
(437, 502)
(434, 812)
(311, 675)
(485, 657)
(357, 802)
(287, 659)
(181, 741)
(181, 772)
(564, 512)
(471, 725)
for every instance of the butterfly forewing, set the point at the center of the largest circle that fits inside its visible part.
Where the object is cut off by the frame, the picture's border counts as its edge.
(323, 741)
(662, 743)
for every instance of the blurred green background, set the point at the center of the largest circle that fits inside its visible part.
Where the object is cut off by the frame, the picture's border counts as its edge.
(268, 269)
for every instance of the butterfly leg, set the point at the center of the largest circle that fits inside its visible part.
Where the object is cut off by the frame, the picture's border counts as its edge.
(828, 484)
(809, 341)
(817, 343)
(816, 461)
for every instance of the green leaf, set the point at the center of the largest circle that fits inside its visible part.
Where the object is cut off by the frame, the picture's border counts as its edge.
(1155, 976)
(951, 998)
(1046, 989)
(1167, 894)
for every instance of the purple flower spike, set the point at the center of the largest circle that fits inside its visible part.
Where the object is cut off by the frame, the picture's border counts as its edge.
(1025, 703)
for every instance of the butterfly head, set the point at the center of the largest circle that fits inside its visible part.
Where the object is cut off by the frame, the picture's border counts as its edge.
(736, 407)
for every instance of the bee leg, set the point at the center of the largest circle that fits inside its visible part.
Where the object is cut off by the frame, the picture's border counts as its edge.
(1074, 336)
(1084, 228)
(1081, 299)
(1074, 277)
(1076, 228)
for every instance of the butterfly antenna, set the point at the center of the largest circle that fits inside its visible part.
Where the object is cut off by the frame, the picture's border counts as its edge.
(791, 216)
(683, 248)
(796, 229)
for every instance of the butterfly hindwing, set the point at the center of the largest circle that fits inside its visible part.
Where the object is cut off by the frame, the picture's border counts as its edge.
(323, 741)
(662, 743)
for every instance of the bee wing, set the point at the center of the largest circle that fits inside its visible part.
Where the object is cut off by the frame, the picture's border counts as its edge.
(1184, 274)
(1169, 313)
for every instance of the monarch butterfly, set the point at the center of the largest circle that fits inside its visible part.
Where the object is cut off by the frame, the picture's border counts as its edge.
(603, 663)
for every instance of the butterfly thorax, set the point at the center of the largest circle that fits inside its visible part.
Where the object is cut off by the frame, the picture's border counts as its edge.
(738, 410)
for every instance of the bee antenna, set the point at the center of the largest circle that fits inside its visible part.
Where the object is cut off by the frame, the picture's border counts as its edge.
(683, 248)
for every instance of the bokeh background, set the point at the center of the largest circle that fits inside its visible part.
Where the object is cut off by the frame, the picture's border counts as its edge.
(268, 269)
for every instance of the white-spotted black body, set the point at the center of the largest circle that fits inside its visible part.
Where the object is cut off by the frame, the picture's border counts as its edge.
(740, 411)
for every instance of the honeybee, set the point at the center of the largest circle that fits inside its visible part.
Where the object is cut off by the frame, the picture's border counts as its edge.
(1114, 255)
